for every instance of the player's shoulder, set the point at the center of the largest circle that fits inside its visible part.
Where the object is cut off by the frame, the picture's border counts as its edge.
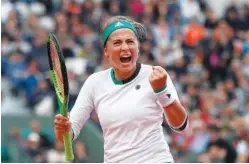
(146, 68)
(99, 76)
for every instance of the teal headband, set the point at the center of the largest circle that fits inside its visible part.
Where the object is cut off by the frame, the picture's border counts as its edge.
(115, 26)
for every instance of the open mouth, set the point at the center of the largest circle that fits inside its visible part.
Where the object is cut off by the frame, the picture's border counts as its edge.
(125, 59)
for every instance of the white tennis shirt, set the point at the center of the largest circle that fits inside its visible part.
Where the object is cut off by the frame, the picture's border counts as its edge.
(129, 114)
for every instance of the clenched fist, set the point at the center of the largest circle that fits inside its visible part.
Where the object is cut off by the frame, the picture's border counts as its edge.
(61, 126)
(158, 78)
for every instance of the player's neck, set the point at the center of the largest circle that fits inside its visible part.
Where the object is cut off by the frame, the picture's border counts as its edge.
(123, 75)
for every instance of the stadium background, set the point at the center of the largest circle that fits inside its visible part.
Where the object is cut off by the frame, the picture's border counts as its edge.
(203, 44)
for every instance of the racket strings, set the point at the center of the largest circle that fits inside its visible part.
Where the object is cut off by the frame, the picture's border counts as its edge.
(56, 69)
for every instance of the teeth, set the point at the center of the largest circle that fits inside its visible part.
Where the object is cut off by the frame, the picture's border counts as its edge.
(125, 59)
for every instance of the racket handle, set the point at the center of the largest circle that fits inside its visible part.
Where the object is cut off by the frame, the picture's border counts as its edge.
(68, 147)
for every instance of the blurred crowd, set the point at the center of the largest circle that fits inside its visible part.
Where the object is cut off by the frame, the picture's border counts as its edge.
(205, 53)
(39, 146)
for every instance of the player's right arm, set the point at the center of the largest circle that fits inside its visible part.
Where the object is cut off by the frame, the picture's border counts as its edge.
(79, 114)
(175, 113)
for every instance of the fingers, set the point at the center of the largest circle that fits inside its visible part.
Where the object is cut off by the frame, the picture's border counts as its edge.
(159, 69)
(62, 123)
(158, 78)
(61, 131)
(60, 117)
(152, 76)
(158, 73)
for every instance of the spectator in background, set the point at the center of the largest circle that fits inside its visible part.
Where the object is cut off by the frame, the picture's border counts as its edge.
(114, 8)
(44, 142)
(88, 52)
(174, 9)
(11, 25)
(190, 9)
(146, 54)
(218, 149)
(15, 70)
(56, 154)
(42, 99)
(17, 138)
(211, 21)
(161, 32)
(242, 19)
(222, 35)
(200, 138)
(32, 78)
(34, 149)
(242, 143)
(194, 33)
(246, 44)
(80, 153)
(231, 15)
(30, 27)
(78, 29)
(136, 8)
(39, 49)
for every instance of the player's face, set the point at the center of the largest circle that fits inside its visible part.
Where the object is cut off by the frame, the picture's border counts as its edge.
(122, 50)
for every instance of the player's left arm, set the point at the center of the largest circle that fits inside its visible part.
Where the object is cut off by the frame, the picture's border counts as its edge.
(164, 89)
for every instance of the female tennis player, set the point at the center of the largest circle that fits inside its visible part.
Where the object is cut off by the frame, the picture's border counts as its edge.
(129, 98)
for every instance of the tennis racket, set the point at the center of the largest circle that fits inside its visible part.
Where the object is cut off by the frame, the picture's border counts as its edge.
(59, 75)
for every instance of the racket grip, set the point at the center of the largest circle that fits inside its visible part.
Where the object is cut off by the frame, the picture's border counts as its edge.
(68, 147)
